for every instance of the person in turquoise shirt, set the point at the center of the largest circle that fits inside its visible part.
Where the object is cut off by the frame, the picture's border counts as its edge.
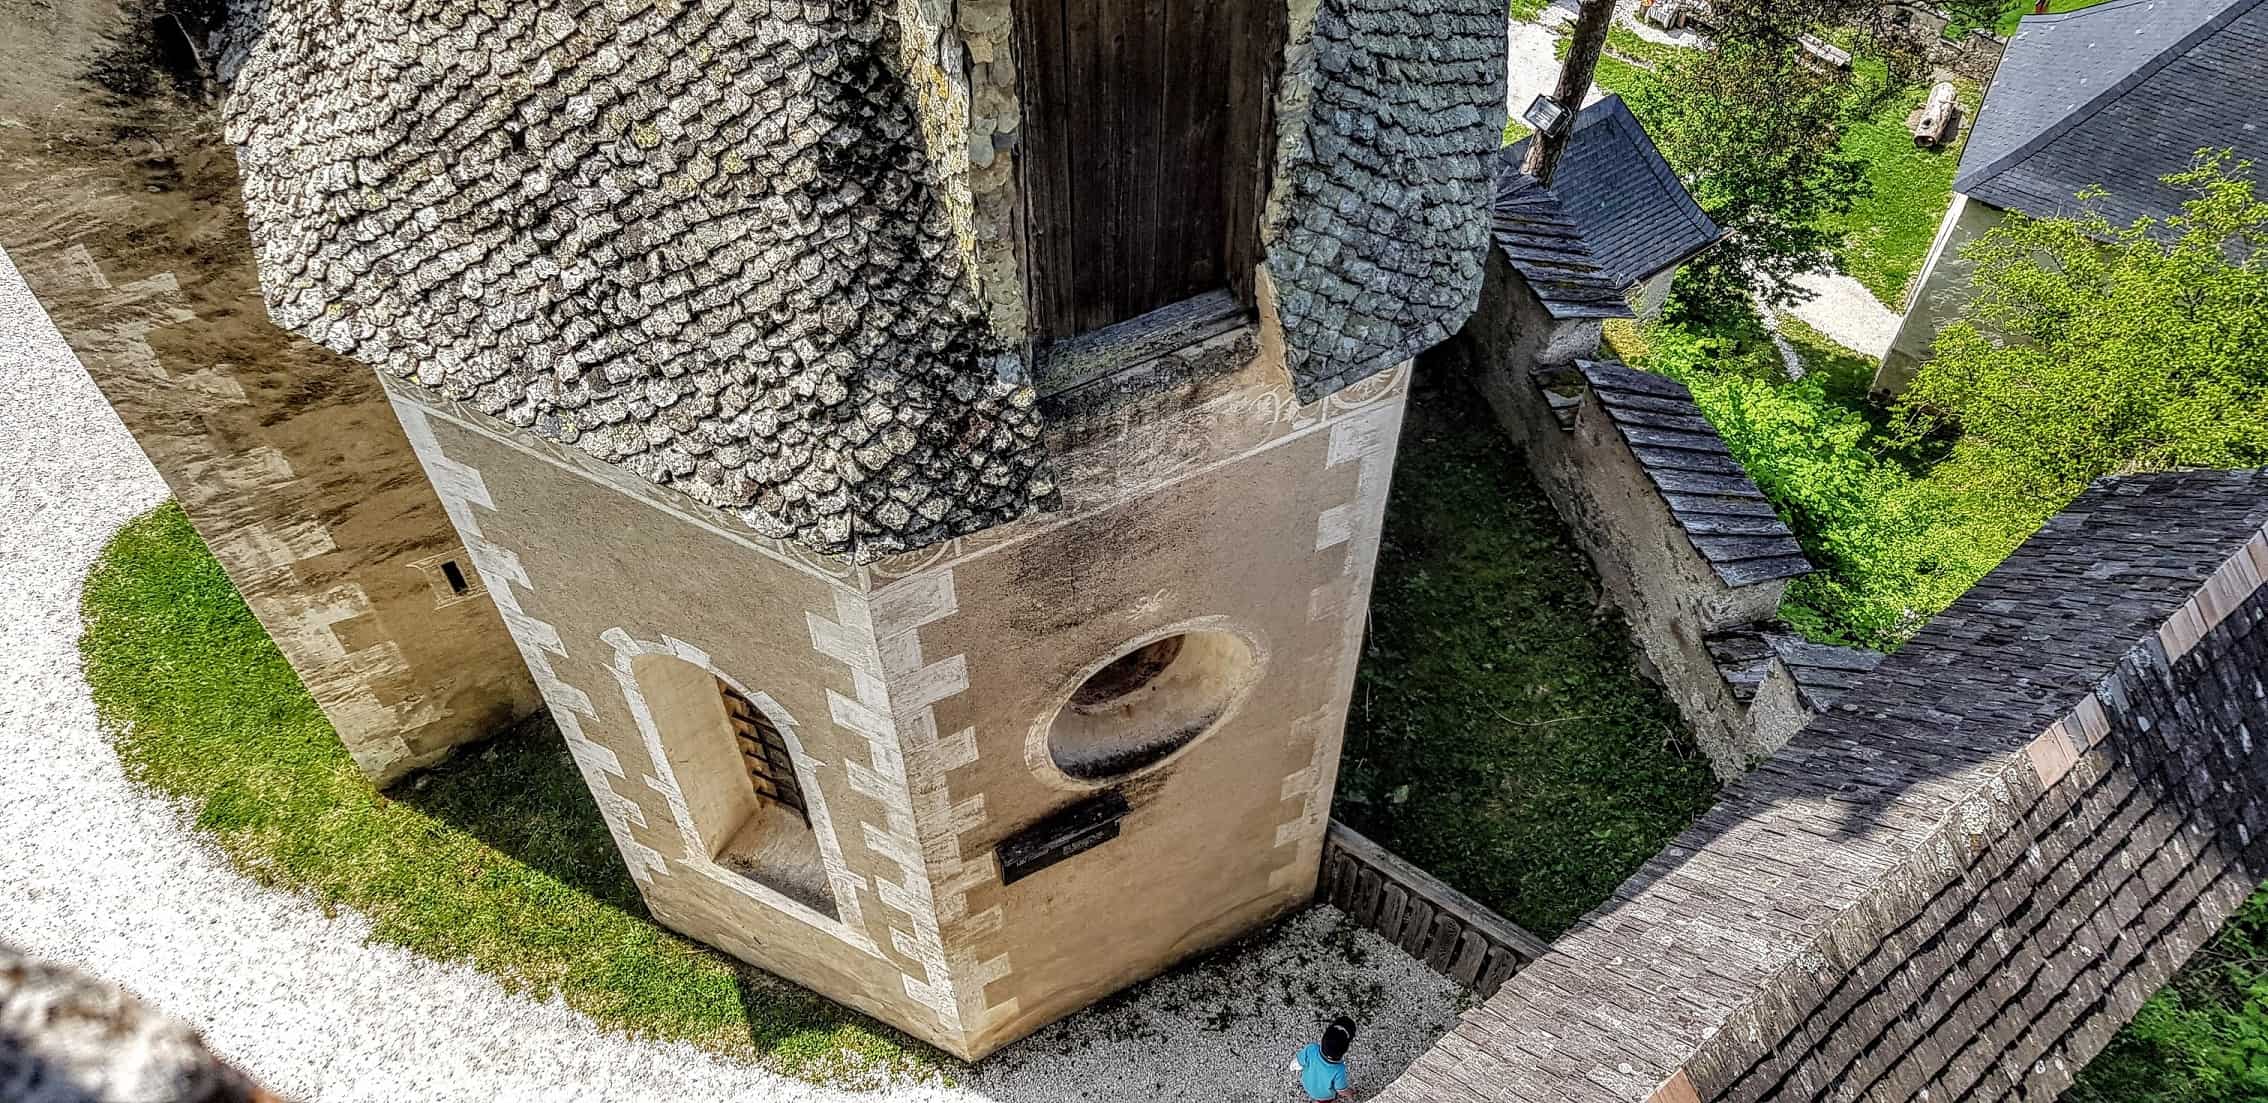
(1322, 1066)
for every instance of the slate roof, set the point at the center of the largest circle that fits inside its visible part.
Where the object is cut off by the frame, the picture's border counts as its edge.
(1822, 673)
(1632, 211)
(1376, 237)
(1711, 955)
(1542, 243)
(1706, 489)
(695, 240)
(2119, 95)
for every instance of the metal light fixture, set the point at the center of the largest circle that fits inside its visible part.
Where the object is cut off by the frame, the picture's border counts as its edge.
(1545, 115)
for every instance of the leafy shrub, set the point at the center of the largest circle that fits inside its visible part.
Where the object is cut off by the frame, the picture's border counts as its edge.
(2201, 1039)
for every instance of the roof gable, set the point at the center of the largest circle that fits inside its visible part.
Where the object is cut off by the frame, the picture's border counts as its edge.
(1629, 206)
(2118, 95)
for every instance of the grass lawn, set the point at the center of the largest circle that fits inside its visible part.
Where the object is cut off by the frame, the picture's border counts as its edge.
(498, 859)
(1500, 736)
(1887, 234)
(2015, 10)
(1528, 11)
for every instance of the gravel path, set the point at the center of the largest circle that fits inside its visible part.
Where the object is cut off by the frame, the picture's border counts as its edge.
(108, 877)
(1843, 309)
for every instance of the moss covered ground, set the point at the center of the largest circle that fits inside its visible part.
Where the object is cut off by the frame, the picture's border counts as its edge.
(1501, 736)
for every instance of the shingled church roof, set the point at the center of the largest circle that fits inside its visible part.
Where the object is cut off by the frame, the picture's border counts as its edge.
(694, 240)
(2119, 95)
(1634, 215)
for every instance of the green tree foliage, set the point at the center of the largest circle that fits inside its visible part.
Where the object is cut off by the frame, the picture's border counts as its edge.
(2088, 350)
(2201, 1039)
(1758, 134)
(2091, 349)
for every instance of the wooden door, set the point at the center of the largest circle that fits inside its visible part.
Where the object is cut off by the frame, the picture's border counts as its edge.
(1143, 169)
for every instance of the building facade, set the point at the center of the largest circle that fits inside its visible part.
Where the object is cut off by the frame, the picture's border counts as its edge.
(928, 458)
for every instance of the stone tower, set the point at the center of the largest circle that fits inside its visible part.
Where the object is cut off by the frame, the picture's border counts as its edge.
(929, 456)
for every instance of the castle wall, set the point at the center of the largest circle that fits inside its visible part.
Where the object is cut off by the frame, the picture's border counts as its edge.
(1646, 564)
(920, 689)
(1959, 882)
(118, 203)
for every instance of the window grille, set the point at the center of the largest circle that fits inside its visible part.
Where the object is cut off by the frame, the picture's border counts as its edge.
(764, 753)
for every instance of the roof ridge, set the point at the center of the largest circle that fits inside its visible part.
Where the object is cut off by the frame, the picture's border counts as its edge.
(1967, 182)
(1687, 206)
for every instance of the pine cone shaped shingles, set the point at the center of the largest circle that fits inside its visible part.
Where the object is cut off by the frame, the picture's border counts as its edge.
(1380, 226)
(697, 241)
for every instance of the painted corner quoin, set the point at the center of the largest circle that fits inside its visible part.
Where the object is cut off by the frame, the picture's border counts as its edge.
(118, 206)
(699, 242)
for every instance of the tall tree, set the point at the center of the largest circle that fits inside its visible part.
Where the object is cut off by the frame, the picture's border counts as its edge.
(2091, 349)
(1757, 134)
(1583, 49)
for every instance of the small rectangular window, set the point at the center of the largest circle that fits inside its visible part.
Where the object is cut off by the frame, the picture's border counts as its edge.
(456, 577)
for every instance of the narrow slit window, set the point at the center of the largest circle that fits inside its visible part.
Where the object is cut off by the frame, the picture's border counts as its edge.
(763, 753)
(456, 576)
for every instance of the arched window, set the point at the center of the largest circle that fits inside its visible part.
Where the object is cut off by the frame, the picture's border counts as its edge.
(737, 770)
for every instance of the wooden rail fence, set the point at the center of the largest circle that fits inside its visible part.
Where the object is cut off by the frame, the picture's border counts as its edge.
(1446, 929)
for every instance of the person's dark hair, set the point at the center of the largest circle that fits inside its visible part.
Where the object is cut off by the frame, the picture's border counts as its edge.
(1337, 1037)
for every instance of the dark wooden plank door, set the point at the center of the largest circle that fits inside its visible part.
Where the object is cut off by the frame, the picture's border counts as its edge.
(1142, 167)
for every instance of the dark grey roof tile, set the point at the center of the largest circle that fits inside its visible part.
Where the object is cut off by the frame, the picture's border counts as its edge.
(1536, 236)
(1628, 205)
(1707, 491)
(2119, 95)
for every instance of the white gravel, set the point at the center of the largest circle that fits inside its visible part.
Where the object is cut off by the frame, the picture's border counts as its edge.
(107, 877)
(1843, 309)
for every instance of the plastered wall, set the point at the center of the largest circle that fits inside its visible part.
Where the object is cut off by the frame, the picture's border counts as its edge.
(118, 203)
(918, 690)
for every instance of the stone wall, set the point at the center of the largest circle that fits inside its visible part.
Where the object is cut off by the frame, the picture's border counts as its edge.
(1963, 879)
(118, 203)
(1646, 562)
(921, 691)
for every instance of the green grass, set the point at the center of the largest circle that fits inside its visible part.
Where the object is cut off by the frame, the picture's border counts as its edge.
(1887, 234)
(1621, 77)
(1500, 735)
(497, 859)
(1528, 11)
(2203, 1038)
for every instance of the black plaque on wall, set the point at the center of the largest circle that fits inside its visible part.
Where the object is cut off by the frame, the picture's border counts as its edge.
(1064, 833)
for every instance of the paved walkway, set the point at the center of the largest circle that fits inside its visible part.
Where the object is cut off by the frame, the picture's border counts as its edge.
(1844, 310)
(107, 877)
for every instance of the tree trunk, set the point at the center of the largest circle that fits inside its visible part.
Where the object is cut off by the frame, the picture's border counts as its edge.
(1574, 83)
